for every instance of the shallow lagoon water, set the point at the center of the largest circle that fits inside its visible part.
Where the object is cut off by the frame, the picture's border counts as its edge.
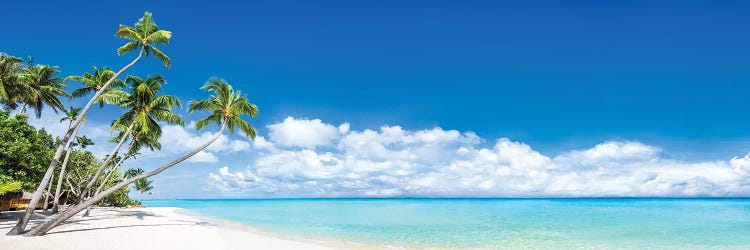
(495, 223)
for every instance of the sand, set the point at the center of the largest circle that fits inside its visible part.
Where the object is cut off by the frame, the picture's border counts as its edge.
(150, 228)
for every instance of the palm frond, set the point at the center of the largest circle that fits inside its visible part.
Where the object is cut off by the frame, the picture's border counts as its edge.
(161, 56)
(128, 32)
(226, 107)
(130, 46)
(165, 101)
(214, 118)
(167, 116)
(159, 36)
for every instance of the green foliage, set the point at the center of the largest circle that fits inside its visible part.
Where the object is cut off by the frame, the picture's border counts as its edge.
(32, 85)
(120, 197)
(93, 82)
(25, 152)
(146, 109)
(146, 105)
(10, 66)
(42, 88)
(82, 141)
(10, 187)
(226, 107)
(145, 35)
(133, 172)
(82, 166)
(143, 185)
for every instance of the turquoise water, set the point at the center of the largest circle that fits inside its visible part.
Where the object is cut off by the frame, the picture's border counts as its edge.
(496, 223)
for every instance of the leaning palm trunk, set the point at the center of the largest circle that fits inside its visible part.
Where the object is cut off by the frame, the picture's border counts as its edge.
(21, 225)
(56, 202)
(46, 196)
(106, 162)
(72, 189)
(45, 227)
(109, 175)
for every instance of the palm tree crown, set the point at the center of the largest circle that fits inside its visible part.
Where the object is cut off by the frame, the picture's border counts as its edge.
(71, 114)
(10, 66)
(144, 36)
(132, 172)
(83, 142)
(42, 88)
(143, 185)
(146, 106)
(93, 82)
(142, 140)
(226, 107)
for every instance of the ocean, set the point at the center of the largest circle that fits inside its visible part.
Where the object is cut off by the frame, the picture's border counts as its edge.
(495, 223)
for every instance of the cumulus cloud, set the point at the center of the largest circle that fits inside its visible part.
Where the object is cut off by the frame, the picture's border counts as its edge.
(203, 156)
(232, 182)
(180, 139)
(394, 162)
(304, 133)
(98, 132)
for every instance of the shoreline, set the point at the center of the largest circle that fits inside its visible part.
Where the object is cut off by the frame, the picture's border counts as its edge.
(157, 228)
(333, 243)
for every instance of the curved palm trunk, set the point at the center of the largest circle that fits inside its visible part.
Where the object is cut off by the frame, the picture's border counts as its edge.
(21, 225)
(46, 196)
(109, 175)
(71, 187)
(46, 226)
(56, 201)
(106, 162)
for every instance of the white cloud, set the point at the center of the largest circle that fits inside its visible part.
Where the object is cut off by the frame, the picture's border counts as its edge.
(435, 162)
(260, 142)
(179, 139)
(98, 132)
(232, 182)
(203, 156)
(344, 128)
(304, 133)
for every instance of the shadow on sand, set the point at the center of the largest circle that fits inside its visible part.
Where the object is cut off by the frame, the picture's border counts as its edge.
(9, 218)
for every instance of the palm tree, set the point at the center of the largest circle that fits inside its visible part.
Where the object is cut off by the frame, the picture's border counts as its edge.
(43, 88)
(82, 142)
(226, 108)
(143, 186)
(70, 116)
(146, 108)
(139, 140)
(143, 37)
(93, 82)
(10, 66)
(132, 172)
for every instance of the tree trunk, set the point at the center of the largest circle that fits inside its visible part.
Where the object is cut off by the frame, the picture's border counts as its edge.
(70, 186)
(46, 196)
(52, 223)
(109, 175)
(56, 202)
(21, 225)
(106, 162)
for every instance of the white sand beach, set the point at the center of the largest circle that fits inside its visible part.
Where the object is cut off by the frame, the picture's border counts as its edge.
(149, 228)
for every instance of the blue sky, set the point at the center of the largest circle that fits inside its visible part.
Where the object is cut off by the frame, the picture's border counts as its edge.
(557, 76)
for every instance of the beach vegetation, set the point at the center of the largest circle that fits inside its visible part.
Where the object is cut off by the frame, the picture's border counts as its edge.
(30, 157)
(143, 37)
(226, 108)
(24, 151)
